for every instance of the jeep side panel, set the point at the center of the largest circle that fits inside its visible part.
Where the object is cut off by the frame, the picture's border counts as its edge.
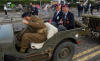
(6, 40)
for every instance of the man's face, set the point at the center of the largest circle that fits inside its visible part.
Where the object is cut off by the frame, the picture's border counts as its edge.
(33, 5)
(65, 9)
(58, 8)
(27, 18)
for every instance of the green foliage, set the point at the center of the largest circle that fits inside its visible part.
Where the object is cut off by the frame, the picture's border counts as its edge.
(24, 2)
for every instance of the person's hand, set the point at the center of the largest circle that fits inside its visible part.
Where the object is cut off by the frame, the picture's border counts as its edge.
(67, 22)
(25, 22)
(61, 22)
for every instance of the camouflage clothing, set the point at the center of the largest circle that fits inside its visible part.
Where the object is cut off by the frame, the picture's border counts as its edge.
(37, 33)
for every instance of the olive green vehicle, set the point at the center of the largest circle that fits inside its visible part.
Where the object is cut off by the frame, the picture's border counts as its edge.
(60, 47)
(92, 23)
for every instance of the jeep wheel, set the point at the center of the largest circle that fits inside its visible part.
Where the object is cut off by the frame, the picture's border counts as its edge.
(64, 52)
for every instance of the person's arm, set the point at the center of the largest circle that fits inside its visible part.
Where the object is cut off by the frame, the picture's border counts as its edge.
(37, 25)
(71, 20)
(61, 19)
(61, 22)
(60, 16)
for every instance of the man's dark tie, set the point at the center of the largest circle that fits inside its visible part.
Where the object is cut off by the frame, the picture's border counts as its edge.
(56, 14)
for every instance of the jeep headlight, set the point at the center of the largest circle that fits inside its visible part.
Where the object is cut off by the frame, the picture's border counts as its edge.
(77, 35)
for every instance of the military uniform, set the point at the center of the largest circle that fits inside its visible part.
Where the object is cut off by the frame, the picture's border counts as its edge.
(68, 17)
(57, 17)
(37, 33)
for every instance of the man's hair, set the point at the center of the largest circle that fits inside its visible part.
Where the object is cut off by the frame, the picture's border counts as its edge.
(26, 14)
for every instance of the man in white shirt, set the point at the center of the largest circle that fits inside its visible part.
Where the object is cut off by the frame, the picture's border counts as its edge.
(5, 9)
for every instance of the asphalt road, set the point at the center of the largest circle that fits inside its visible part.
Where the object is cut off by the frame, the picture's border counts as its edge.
(88, 50)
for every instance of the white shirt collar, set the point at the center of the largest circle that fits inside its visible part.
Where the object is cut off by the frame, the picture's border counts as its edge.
(66, 13)
(58, 12)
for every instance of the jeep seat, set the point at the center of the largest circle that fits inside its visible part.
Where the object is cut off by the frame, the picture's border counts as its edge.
(51, 32)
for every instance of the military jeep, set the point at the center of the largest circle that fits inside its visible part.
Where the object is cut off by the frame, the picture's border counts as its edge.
(93, 26)
(59, 47)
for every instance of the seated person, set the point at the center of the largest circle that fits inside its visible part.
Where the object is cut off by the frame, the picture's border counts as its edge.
(37, 33)
(57, 16)
(68, 18)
